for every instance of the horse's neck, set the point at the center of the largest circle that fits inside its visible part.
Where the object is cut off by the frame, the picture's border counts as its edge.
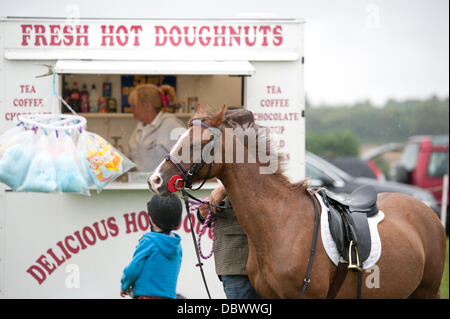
(263, 203)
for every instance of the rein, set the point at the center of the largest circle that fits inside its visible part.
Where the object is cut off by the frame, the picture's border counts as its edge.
(200, 264)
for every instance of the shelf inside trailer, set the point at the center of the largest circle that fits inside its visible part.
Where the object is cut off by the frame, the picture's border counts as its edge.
(123, 115)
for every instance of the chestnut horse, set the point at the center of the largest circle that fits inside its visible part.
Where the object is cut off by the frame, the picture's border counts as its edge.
(278, 218)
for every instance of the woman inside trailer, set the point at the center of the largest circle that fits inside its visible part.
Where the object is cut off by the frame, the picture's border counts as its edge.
(151, 139)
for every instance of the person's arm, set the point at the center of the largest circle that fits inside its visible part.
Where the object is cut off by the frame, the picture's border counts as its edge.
(132, 271)
(132, 145)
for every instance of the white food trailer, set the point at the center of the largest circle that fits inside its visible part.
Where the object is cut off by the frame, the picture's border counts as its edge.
(75, 246)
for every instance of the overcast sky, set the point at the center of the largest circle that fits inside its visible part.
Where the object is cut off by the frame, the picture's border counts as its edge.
(355, 49)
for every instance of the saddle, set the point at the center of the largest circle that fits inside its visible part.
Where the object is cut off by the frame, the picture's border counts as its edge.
(348, 223)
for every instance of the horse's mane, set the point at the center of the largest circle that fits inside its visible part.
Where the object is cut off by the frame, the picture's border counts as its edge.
(244, 119)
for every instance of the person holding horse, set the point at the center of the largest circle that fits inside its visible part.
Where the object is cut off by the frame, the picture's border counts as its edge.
(230, 247)
(150, 140)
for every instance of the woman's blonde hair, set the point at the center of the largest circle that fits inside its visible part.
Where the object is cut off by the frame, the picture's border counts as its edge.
(153, 94)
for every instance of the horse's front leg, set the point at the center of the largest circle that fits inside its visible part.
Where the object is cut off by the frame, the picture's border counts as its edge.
(256, 276)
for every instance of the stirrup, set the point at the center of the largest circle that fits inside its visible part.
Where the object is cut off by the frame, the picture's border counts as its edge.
(351, 265)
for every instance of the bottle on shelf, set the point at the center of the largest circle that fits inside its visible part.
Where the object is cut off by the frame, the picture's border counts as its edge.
(192, 104)
(75, 98)
(107, 89)
(93, 99)
(112, 105)
(66, 96)
(103, 104)
(84, 100)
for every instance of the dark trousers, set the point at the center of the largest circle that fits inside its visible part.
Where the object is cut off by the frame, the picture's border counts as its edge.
(238, 287)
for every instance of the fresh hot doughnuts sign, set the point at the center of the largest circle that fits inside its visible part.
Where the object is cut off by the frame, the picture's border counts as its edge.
(147, 39)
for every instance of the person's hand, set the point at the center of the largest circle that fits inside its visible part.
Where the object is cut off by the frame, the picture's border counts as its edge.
(204, 209)
(217, 195)
(125, 293)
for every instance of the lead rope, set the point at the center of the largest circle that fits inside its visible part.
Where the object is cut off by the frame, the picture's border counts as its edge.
(193, 207)
(200, 264)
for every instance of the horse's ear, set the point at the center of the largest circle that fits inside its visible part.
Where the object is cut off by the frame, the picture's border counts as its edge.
(200, 110)
(217, 119)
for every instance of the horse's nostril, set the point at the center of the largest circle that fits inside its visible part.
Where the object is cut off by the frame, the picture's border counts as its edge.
(154, 182)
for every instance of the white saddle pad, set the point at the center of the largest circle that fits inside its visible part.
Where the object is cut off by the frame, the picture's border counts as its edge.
(330, 245)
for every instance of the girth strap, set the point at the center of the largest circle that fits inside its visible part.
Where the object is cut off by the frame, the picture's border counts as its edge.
(307, 280)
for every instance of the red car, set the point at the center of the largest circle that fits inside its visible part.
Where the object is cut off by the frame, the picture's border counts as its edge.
(424, 163)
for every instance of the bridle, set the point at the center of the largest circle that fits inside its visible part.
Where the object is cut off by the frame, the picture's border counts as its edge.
(184, 180)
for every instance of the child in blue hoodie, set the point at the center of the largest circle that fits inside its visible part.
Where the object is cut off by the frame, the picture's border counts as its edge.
(154, 270)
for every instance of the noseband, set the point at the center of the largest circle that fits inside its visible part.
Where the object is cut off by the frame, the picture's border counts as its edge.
(177, 182)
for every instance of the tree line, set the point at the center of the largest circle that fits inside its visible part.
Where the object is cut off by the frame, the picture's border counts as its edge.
(339, 130)
(364, 122)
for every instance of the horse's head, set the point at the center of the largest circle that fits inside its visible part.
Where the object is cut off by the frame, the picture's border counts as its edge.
(191, 159)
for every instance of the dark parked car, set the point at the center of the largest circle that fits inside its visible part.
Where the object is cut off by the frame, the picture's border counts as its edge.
(354, 166)
(323, 173)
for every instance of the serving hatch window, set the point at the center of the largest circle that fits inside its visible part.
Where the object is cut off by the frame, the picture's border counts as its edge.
(103, 97)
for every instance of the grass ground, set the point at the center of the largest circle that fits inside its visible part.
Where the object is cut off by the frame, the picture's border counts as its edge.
(444, 283)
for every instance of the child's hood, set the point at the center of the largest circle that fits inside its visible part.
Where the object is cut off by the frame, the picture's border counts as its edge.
(168, 245)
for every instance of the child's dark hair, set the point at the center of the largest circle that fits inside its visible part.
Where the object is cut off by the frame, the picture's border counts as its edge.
(165, 211)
